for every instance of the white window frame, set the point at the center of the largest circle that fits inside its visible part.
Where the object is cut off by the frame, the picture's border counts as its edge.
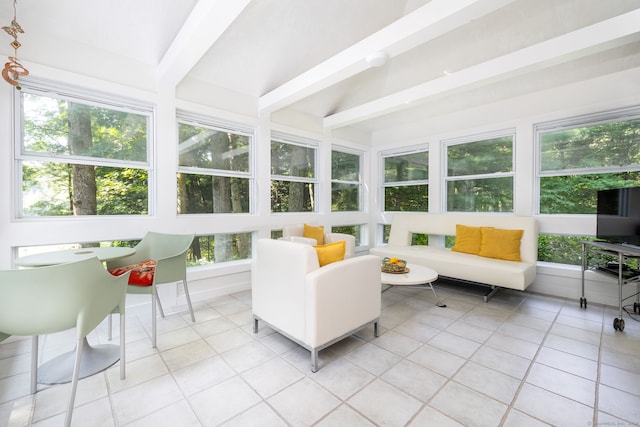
(186, 118)
(359, 183)
(91, 98)
(301, 142)
(471, 139)
(422, 148)
(588, 120)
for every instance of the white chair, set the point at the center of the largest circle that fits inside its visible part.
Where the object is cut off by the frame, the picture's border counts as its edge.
(169, 252)
(312, 305)
(295, 233)
(45, 300)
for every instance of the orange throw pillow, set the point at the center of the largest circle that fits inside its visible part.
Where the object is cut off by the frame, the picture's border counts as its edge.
(141, 273)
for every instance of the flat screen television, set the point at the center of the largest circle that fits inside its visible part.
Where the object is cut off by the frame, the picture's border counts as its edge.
(618, 219)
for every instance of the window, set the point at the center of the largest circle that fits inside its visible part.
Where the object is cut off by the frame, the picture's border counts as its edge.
(576, 158)
(218, 248)
(406, 180)
(214, 167)
(354, 230)
(345, 181)
(580, 156)
(480, 174)
(293, 174)
(81, 155)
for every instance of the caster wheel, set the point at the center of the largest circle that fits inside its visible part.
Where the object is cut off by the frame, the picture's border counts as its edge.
(618, 324)
(583, 302)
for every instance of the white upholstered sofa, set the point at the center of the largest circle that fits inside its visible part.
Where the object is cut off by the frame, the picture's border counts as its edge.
(312, 305)
(497, 273)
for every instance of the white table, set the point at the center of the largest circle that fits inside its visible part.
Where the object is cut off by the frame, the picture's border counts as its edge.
(417, 277)
(61, 257)
(96, 358)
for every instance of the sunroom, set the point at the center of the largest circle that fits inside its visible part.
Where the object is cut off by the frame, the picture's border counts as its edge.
(233, 119)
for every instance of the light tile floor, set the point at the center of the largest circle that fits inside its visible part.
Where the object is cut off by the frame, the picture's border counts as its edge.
(519, 360)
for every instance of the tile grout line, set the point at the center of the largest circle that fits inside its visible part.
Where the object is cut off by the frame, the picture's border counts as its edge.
(511, 407)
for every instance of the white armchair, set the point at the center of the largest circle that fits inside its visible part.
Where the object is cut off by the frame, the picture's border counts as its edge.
(295, 233)
(312, 305)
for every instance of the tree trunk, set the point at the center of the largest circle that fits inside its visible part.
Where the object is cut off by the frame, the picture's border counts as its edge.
(84, 198)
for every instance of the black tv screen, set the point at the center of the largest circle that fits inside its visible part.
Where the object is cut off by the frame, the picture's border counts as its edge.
(618, 219)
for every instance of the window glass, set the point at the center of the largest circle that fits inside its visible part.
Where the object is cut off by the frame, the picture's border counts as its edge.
(480, 195)
(354, 230)
(567, 249)
(214, 170)
(292, 160)
(210, 148)
(204, 250)
(293, 175)
(407, 167)
(80, 156)
(292, 196)
(480, 157)
(577, 194)
(218, 248)
(406, 198)
(345, 181)
(406, 181)
(604, 145)
(480, 175)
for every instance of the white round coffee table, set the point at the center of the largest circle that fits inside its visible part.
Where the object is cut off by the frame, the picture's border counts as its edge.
(417, 277)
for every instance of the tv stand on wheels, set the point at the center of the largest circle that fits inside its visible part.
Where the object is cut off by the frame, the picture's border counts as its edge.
(618, 254)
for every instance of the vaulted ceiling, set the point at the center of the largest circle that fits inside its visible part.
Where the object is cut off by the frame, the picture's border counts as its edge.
(310, 56)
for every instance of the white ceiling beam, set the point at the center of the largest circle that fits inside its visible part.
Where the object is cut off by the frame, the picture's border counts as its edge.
(208, 20)
(425, 23)
(578, 43)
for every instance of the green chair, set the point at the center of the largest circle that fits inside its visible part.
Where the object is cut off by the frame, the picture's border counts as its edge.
(169, 251)
(45, 300)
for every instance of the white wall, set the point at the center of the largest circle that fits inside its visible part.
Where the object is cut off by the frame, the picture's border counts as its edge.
(609, 92)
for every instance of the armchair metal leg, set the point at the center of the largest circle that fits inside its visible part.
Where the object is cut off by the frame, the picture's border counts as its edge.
(110, 336)
(376, 333)
(314, 360)
(255, 325)
(34, 364)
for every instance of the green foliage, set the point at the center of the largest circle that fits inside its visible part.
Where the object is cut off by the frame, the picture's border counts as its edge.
(353, 230)
(407, 167)
(406, 198)
(577, 194)
(419, 239)
(561, 249)
(480, 195)
(480, 157)
(345, 197)
(292, 196)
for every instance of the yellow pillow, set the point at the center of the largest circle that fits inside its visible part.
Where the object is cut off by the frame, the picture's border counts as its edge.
(314, 233)
(330, 252)
(467, 239)
(501, 244)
